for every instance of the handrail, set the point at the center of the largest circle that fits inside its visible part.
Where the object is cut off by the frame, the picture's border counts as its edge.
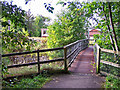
(43, 50)
(71, 53)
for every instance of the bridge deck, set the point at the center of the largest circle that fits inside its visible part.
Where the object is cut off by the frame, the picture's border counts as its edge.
(82, 74)
(84, 62)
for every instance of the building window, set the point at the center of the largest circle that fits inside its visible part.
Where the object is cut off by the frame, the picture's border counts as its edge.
(44, 32)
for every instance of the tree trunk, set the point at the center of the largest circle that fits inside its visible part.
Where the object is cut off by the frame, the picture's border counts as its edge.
(113, 30)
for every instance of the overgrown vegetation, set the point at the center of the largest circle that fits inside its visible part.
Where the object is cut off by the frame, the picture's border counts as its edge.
(112, 82)
(33, 80)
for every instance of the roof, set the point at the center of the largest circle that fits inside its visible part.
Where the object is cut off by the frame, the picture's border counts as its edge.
(94, 31)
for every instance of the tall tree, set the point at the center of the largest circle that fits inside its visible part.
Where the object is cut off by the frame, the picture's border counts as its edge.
(40, 22)
(15, 39)
(68, 28)
(29, 22)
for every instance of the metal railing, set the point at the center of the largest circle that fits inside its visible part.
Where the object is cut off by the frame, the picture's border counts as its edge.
(73, 49)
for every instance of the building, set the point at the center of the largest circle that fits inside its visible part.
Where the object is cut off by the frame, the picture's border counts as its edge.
(44, 32)
(91, 33)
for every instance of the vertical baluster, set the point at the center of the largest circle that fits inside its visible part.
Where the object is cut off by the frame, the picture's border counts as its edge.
(38, 62)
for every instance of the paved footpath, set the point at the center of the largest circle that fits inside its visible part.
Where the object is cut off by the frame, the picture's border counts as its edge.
(82, 74)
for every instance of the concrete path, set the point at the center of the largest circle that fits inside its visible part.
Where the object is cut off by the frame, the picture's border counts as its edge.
(82, 74)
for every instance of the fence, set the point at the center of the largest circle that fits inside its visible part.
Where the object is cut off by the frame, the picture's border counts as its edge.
(70, 52)
(110, 58)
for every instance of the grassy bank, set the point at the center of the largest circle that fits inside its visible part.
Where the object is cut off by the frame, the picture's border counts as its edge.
(32, 81)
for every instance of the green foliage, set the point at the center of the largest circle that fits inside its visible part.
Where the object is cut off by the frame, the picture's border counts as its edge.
(101, 9)
(112, 82)
(68, 28)
(49, 7)
(12, 13)
(4, 66)
(15, 41)
(29, 20)
(103, 40)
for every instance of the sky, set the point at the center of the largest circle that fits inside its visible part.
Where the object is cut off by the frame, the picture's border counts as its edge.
(37, 7)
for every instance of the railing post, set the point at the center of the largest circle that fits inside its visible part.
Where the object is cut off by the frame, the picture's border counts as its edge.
(98, 60)
(65, 59)
(87, 42)
(38, 61)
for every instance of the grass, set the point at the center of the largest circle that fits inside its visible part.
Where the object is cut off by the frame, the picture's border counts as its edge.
(35, 82)
(21, 71)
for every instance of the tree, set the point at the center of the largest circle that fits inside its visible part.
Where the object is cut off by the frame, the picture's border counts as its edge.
(109, 19)
(68, 28)
(15, 39)
(10, 39)
(12, 13)
(29, 19)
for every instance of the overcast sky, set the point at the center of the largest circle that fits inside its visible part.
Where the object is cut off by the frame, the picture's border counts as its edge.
(37, 7)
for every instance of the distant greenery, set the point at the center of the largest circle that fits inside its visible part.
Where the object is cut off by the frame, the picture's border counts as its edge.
(39, 23)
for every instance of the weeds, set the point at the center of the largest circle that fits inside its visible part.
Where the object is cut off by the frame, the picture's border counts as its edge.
(112, 82)
(35, 82)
